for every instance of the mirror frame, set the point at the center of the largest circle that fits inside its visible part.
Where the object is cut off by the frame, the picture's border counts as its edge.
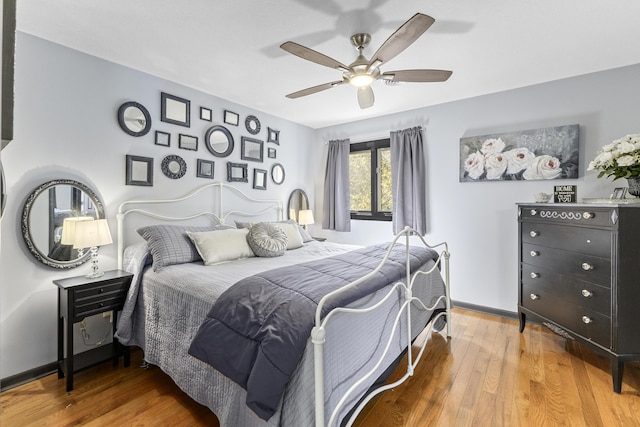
(164, 97)
(294, 194)
(273, 173)
(231, 118)
(248, 124)
(259, 173)
(244, 167)
(187, 142)
(244, 144)
(225, 131)
(273, 136)
(168, 172)
(26, 211)
(123, 124)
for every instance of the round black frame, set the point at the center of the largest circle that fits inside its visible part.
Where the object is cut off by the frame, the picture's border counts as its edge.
(227, 134)
(165, 166)
(145, 112)
(250, 119)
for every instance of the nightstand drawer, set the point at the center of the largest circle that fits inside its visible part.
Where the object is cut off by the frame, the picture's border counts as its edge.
(104, 290)
(101, 305)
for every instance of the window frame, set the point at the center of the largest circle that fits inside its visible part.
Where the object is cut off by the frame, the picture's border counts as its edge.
(373, 147)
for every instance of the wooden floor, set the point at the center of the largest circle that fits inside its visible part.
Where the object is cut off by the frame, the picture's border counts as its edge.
(488, 374)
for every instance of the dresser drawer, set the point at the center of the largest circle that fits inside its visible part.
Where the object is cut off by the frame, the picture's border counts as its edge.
(577, 215)
(591, 241)
(572, 317)
(580, 266)
(104, 290)
(565, 288)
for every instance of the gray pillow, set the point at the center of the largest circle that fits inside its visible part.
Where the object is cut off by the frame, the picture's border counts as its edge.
(169, 244)
(306, 237)
(267, 240)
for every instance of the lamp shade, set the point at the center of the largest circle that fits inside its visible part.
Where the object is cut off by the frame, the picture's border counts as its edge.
(305, 217)
(69, 229)
(92, 234)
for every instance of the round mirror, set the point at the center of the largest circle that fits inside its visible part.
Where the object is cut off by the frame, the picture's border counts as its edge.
(219, 141)
(173, 166)
(43, 216)
(252, 124)
(277, 173)
(134, 119)
(298, 201)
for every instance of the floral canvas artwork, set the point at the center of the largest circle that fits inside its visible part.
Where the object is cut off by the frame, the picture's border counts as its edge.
(537, 154)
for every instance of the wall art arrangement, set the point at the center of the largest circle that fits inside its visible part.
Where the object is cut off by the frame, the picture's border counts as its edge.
(536, 154)
(135, 120)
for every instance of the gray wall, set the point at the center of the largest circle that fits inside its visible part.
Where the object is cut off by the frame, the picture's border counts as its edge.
(66, 127)
(478, 219)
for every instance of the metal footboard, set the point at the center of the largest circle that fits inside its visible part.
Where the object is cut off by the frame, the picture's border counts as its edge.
(319, 335)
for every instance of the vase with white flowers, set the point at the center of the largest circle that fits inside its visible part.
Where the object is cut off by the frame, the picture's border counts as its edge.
(620, 159)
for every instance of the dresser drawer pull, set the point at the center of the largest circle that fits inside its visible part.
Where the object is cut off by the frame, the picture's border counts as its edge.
(586, 319)
(587, 293)
(586, 266)
(534, 275)
(588, 215)
(101, 290)
(534, 233)
(534, 253)
(101, 304)
(534, 297)
(534, 212)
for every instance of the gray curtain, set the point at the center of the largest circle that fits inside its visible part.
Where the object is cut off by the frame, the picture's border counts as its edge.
(336, 213)
(408, 180)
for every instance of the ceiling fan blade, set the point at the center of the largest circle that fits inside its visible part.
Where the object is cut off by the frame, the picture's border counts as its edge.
(314, 89)
(417, 75)
(402, 38)
(365, 97)
(313, 56)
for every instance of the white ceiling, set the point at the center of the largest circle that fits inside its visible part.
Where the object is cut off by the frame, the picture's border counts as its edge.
(230, 48)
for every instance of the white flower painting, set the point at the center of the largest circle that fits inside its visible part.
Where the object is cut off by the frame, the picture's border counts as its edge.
(537, 154)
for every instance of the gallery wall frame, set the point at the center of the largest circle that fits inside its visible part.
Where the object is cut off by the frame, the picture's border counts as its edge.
(139, 170)
(206, 114)
(231, 118)
(525, 155)
(188, 142)
(163, 138)
(205, 169)
(251, 149)
(175, 110)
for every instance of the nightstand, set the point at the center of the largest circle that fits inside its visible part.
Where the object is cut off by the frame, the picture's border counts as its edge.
(320, 239)
(80, 297)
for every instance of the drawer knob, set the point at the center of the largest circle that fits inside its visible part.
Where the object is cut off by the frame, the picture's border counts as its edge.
(534, 253)
(587, 320)
(101, 304)
(586, 266)
(101, 290)
(588, 215)
(534, 275)
(534, 233)
(586, 293)
(534, 212)
(534, 297)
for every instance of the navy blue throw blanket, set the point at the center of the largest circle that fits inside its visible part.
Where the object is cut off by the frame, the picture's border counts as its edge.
(257, 330)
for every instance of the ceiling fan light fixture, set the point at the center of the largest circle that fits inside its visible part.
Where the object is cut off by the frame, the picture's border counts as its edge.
(361, 80)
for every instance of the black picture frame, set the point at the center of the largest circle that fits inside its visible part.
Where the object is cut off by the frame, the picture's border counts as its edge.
(205, 169)
(273, 136)
(163, 138)
(188, 142)
(237, 172)
(206, 114)
(259, 179)
(619, 193)
(168, 166)
(271, 153)
(134, 119)
(175, 110)
(213, 139)
(252, 124)
(231, 118)
(139, 171)
(277, 173)
(251, 149)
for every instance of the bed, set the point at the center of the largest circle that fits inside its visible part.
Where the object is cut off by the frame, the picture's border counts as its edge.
(349, 348)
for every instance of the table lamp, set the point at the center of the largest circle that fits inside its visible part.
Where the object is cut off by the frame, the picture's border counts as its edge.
(305, 217)
(91, 234)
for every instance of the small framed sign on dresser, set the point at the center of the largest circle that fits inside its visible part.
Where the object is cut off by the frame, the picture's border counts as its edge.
(565, 193)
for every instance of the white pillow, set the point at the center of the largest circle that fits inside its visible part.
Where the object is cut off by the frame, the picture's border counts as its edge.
(294, 239)
(221, 245)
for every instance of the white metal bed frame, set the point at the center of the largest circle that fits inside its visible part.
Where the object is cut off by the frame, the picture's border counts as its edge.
(318, 334)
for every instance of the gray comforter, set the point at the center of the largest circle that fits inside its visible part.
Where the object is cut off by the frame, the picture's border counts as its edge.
(267, 318)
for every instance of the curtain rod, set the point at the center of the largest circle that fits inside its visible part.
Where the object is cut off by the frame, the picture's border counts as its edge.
(372, 137)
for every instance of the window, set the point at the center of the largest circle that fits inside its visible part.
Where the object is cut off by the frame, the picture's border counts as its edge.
(370, 180)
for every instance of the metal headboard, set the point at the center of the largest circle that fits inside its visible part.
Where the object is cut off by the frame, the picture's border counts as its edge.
(217, 213)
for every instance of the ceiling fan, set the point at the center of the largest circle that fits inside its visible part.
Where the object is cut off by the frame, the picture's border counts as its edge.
(362, 72)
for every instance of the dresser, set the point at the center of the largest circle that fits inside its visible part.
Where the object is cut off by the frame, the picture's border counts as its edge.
(580, 276)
